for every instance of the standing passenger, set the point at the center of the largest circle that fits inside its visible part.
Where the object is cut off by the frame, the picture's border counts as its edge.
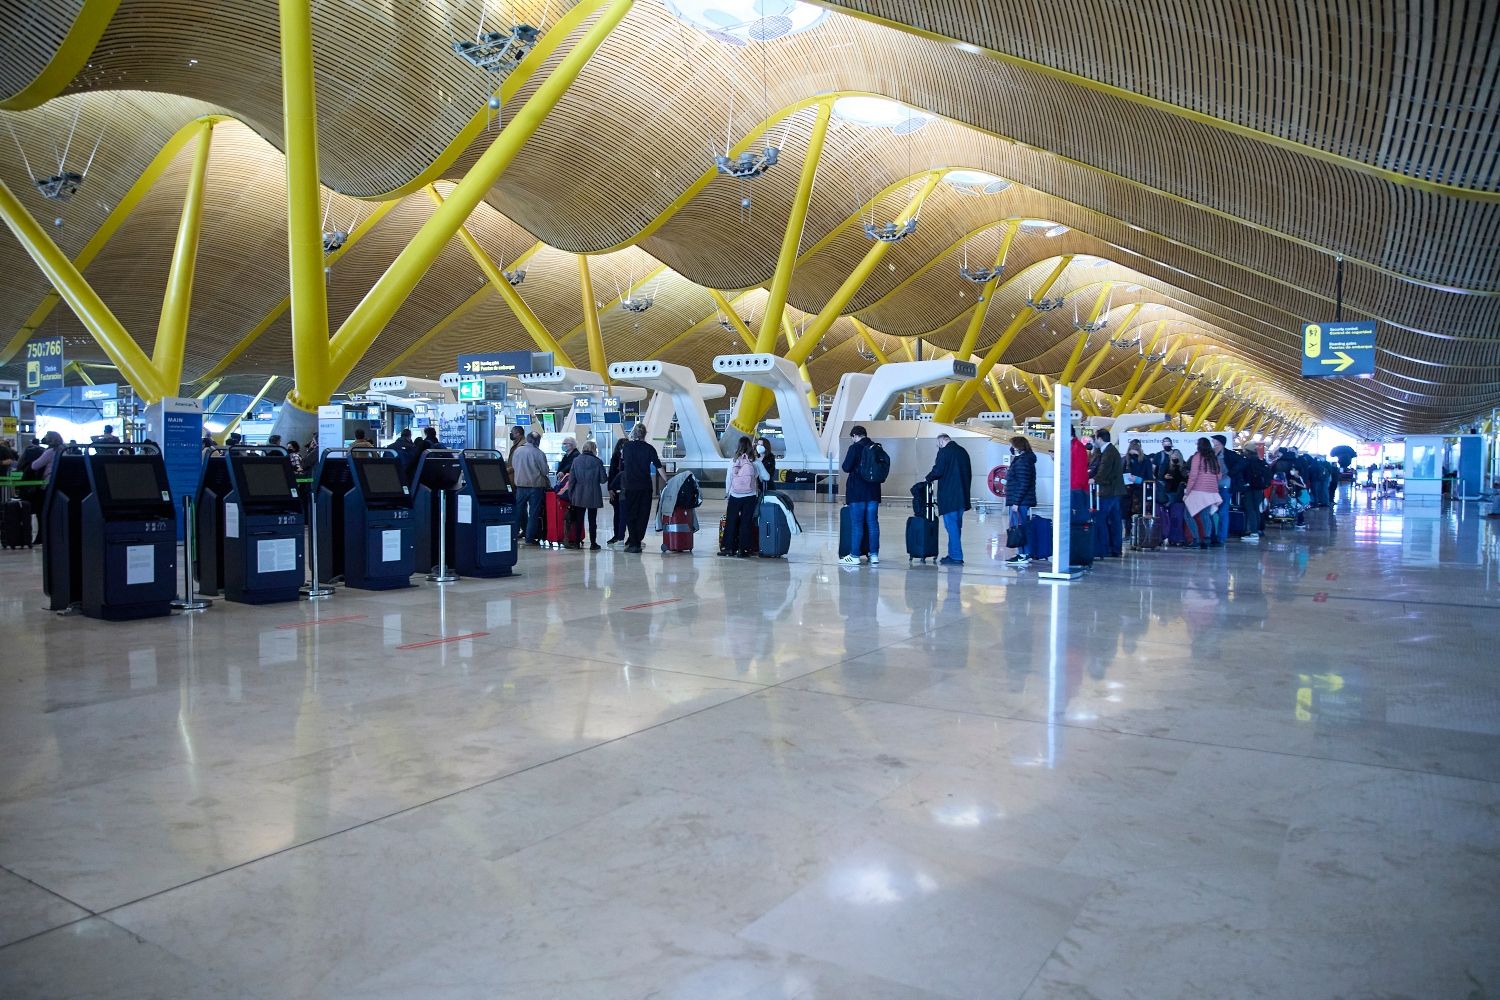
(1109, 474)
(531, 482)
(616, 498)
(952, 473)
(864, 501)
(741, 491)
(640, 466)
(1020, 492)
(586, 494)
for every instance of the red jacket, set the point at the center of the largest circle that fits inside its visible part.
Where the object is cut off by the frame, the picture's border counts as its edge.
(1078, 466)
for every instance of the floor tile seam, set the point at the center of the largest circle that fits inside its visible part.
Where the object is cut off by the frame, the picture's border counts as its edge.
(51, 892)
(1152, 736)
(411, 808)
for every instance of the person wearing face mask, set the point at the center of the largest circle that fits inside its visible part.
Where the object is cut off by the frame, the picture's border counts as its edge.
(1139, 476)
(952, 473)
(742, 492)
(766, 459)
(1162, 459)
(1020, 492)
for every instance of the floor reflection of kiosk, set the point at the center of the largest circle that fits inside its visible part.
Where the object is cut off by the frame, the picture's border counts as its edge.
(250, 526)
(436, 480)
(481, 524)
(111, 537)
(366, 524)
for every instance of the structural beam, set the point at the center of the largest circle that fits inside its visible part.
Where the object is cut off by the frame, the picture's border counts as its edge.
(950, 409)
(754, 398)
(1066, 377)
(981, 309)
(223, 435)
(1098, 359)
(86, 304)
(592, 331)
(177, 303)
(1132, 399)
(999, 393)
(864, 334)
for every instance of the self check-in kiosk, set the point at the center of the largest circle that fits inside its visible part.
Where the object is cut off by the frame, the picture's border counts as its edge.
(366, 524)
(482, 522)
(111, 539)
(251, 527)
(436, 478)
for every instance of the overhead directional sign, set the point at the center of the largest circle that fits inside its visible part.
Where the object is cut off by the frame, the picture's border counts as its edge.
(1344, 350)
(44, 364)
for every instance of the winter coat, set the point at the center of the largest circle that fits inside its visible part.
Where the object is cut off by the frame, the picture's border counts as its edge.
(1201, 477)
(1110, 473)
(953, 474)
(856, 490)
(587, 479)
(1020, 481)
(530, 467)
(1078, 465)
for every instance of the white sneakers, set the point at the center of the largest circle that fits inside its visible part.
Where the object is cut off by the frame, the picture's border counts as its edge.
(874, 558)
(851, 560)
(1250, 538)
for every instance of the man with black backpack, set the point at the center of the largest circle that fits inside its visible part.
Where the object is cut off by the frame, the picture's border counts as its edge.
(867, 465)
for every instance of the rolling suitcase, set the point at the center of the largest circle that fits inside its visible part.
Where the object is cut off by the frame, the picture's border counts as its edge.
(845, 531)
(1081, 545)
(1145, 527)
(15, 525)
(677, 531)
(1179, 535)
(556, 517)
(922, 532)
(773, 535)
(1039, 538)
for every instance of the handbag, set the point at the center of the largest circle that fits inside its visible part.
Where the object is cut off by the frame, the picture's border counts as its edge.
(1015, 537)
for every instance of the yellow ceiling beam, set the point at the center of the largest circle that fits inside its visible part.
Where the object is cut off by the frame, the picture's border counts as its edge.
(595, 334)
(68, 59)
(177, 302)
(982, 306)
(1098, 359)
(484, 292)
(229, 428)
(864, 333)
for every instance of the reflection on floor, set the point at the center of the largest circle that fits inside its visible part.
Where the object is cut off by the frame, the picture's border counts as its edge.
(1268, 770)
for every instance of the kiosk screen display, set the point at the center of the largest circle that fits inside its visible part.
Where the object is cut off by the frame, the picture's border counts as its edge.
(489, 477)
(132, 482)
(382, 480)
(265, 481)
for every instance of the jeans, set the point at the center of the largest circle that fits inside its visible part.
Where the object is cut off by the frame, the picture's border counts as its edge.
(1221, 529)
(864, 517)
(529, 512)
(1203, 526)
(953, 523)
(1108, 528)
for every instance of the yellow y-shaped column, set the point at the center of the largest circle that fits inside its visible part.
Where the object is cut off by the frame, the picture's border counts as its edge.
(981, 309)
(171, 331)
(592, 332)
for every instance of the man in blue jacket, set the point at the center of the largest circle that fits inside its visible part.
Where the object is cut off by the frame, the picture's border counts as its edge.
(952, 473)
(864, 501)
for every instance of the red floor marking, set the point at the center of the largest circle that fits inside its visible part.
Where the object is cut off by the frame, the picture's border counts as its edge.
(1320, 598)
(323, 621)
(439, 642)
(1332, 576)
(650, 604)
(544, 590)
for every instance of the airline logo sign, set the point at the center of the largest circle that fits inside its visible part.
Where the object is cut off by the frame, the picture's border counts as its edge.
(1344, 350)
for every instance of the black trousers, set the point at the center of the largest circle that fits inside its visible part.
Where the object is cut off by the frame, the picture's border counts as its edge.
(739, 524)
(578, 515)
(637, 514)
(617, 501)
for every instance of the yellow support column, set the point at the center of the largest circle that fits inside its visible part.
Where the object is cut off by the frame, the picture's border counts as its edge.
(315, 381)
(223, 435)
(171, 331)
(864, 334)
(949, 409)
(1066, 377)
(375, 310)
(999, 394)
(981, 310)
(544, 340)
(1132, 399)
(831, 311)
(123, 352)
(753, 398)
(592, 332)
(1098, 359)
(1031, 388)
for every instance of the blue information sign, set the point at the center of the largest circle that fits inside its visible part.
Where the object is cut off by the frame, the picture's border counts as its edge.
(1344, 350)
(44, 364)
(503, 363)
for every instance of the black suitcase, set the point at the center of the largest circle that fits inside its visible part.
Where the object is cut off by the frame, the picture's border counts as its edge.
(774, 533)
(15, 525)
(1145, 528)
(922, 533)
(845, 530)
(1081, 545)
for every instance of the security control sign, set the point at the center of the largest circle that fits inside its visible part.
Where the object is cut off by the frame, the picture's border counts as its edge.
(1345, 350)
(471, 390)
(44, 364)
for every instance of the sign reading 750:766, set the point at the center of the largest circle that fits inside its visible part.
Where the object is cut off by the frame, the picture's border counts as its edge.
(1338, 349)
(44, 364)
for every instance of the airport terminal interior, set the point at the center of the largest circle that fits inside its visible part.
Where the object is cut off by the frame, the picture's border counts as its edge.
(755, 499)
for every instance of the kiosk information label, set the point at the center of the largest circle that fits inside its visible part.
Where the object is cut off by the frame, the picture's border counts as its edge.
(276, 555)
(390, 546)
(140, 565)
(465, 509)
(497, 538)
(231, 520)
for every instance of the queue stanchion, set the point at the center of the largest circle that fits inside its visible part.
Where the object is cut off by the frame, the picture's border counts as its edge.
(190, 601)
(314, 591)
(441, 574)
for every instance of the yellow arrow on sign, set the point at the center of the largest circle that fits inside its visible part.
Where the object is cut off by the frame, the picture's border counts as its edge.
(1339, 358)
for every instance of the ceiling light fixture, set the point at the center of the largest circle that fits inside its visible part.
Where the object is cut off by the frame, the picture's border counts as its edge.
(740, 22)
(891, 232)
(498, 52)
(880, 112)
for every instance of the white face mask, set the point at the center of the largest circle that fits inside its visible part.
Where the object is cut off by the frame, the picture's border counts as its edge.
(760, 449)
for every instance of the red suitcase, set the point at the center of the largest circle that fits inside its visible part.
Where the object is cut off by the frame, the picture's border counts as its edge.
(557, 519)
(677, 531)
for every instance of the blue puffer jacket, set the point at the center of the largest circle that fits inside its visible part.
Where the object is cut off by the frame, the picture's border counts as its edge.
(1020, 481)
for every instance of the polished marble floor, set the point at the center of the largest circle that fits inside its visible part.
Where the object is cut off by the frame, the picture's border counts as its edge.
(1264, 771)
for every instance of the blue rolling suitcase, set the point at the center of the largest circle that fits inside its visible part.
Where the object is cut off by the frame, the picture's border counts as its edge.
(1039, 538)
(774, 532)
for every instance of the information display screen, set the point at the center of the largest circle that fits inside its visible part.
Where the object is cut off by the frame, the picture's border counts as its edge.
(381, 480)
(489, 477)
(265, 480)
(132, 481)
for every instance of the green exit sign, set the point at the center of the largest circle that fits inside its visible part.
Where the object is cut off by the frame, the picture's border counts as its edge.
(471, 390)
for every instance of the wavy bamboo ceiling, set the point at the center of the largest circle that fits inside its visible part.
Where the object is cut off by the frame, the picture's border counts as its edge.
(1212, 188)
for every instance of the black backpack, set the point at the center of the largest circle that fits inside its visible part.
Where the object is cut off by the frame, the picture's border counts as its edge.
(874, 464)
(688, 497)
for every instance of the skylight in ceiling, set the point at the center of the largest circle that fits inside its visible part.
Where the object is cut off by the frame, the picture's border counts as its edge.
(975, 182)
(879, 112)
(740, 22)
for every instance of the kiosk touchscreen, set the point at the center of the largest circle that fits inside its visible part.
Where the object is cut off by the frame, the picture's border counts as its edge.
(264, 530)
(129, 538)
(436, 478)
(366, 522)
(482, 521)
